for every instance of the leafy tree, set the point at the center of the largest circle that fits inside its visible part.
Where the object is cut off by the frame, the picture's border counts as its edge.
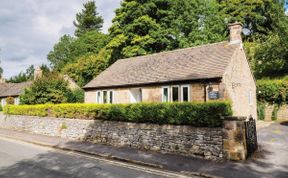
(257, 16)
(48, 89)
(62, 52)
(86, 68)
(69, 49)
(197, 22)
(88, 19)
(144, 27)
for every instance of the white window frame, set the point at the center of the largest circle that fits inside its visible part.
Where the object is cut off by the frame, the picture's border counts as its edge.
(189, 93)
(17, 101)
(99, 100)
(250, 98)
(107, 97)
(179, 93)
(109, 92)
(168, 92)
(3, 102)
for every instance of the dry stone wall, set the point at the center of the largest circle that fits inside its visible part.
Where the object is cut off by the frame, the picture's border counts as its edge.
(184, 140)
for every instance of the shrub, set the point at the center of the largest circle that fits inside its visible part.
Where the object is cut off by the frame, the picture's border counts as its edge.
(10, 100)
(1, 108)
(196, 114)
(76, 96)
(47, 89)
(272, 91)
(261, 110)
(274, 116)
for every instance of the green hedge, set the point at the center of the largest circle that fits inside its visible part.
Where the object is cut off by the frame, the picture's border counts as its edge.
(272, 91)
(195, 114)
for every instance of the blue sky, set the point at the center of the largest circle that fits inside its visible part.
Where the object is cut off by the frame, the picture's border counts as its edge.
(30, 28)
(286, 6)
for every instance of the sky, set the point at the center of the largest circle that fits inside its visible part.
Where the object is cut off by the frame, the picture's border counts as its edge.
(30, 28)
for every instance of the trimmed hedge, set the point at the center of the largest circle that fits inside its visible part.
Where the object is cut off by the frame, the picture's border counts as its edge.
(272, 91)
(195, 114)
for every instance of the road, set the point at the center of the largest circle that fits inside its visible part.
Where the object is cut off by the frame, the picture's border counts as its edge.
(19, 159)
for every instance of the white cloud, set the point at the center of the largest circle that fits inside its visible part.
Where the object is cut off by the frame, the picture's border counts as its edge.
(30, 28)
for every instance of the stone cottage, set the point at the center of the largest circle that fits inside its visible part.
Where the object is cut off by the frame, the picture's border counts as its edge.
(16, 89)
(218, 71)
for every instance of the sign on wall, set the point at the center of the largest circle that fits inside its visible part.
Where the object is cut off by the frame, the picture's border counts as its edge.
(213, 95)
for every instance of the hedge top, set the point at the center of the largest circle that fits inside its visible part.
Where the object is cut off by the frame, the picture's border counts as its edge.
(195, 114)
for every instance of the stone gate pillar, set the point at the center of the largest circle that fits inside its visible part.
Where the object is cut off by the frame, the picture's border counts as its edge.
(234, 139)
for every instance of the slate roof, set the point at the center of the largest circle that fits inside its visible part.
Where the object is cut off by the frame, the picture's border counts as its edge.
(13, 89)
(202, 62)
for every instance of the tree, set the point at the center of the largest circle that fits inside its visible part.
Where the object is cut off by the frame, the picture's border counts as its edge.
(69, 49)
(88, 19)
(144, 27)
(62, 53)
(86, 67)
(48, 89)
(197, 22)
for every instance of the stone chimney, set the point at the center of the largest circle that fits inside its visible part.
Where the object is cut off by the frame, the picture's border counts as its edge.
(2, 80)
(235, 33)
(37, 73)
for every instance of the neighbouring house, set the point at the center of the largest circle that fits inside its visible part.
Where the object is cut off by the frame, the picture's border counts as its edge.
(16, 89)
(218, 71)
(12, 90)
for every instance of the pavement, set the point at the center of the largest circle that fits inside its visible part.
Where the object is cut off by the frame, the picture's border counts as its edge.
(25, 160)
(271, 160)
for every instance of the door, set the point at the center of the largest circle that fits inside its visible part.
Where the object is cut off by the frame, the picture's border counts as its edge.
(135, 95)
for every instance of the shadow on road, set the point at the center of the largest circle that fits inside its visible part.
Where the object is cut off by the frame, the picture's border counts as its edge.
(285, 123)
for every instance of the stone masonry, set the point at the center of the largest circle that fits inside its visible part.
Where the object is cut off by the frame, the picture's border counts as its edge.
(184, 140)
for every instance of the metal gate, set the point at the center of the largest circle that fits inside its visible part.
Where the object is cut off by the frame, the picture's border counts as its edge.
(251, 136)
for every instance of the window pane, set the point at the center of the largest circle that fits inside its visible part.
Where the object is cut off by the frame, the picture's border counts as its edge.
(104, 96)
(165, 95)
(98, 97)
(185, 94)
(111, 97)
(175, 94)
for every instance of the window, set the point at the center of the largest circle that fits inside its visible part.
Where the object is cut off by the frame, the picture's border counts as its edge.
(185, 94)
(17, 101)
(105, 97)
(250, 98)
(175, 93)
(98, 97)
(3, 102)
(165, 94)
(111, 96)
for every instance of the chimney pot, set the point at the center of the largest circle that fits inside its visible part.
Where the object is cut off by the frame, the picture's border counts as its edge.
(235, 33)
(37, 73)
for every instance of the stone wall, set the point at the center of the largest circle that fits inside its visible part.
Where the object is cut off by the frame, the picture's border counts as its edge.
(184, 140)
(282, 113)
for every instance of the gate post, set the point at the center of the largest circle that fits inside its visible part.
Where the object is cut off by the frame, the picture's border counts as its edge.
(234, 138)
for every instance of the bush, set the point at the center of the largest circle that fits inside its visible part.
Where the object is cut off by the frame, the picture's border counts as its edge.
(47, 89)
(272, 91)
(261, 110)
(196, 114)
(76, 96)
(10, 100)
(1, 108)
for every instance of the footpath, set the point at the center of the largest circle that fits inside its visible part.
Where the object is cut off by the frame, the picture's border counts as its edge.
(256, 166)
